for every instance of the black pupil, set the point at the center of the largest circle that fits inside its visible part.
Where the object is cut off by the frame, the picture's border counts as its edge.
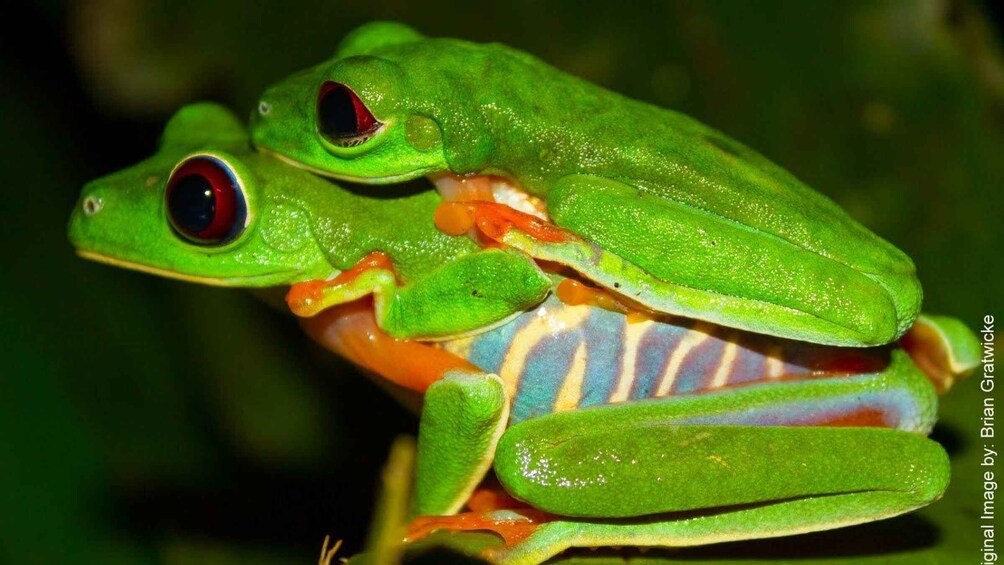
(337, 113)
(192, 203)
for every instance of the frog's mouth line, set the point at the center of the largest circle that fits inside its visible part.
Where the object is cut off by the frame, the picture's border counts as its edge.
(151, 270)
(392, 179)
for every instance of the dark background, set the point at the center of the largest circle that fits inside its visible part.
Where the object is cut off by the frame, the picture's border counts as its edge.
(151, 421)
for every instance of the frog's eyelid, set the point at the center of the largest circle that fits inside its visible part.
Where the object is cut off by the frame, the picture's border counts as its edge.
(342, 117)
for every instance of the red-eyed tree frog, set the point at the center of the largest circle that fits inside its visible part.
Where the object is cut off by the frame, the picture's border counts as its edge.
(689, 221)
(603, 425)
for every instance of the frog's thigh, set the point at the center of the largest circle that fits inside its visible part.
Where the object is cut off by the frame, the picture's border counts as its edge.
(463, 417)
(695, 259)
(467, 293)
(620, 471)
(697, 485)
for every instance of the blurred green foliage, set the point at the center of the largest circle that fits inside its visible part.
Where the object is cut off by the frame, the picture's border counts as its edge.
(150, 421)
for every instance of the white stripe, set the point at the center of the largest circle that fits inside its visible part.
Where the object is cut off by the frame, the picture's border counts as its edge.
(694, 338)
(633, 332)
(571, 390)
(728, 358)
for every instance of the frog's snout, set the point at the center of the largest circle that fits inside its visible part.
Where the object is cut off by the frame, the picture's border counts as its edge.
(91, 205)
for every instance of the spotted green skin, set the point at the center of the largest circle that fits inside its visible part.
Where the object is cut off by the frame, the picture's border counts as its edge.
(744, 242)
(302, 227)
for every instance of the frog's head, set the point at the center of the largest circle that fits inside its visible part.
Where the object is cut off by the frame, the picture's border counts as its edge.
(198, 210)
(357, 116)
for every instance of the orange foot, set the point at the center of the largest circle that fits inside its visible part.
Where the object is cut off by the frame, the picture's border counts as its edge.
(492, 496)
(494, 220)
(305, 299)
(513, 526)
(575, 293)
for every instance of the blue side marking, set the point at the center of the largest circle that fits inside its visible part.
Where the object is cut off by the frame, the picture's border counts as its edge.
(489, 349)
(604, 334)
(697, 367)
(543, 374)
(654, 349)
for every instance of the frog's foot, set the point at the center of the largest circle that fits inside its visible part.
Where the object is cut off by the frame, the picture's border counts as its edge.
(513, 526)
(373, 274)
(575, 293)
(493, 221)
(944, 348)
(453, 188)
(493, 212)
(486, 499)
(488, 207)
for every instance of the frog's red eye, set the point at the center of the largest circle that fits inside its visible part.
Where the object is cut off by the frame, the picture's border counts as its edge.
(342, 117)
(205, 203)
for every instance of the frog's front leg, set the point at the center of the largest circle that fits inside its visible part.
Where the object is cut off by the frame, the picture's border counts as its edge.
(469, 293)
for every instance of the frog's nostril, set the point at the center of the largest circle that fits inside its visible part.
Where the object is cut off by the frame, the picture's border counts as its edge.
(92, 205)
(264, 108)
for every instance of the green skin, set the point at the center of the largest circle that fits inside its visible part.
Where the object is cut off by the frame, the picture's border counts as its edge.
(301, 227)
(292, 237)
(679, 204)
(631, 475)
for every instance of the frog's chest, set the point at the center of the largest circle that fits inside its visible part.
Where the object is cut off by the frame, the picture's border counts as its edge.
(559, 357)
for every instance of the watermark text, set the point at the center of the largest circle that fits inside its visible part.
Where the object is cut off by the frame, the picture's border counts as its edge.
(988, 464)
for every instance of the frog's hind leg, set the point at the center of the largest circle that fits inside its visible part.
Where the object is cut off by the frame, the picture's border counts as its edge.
(700, 485)
(513, 525)
(711, 263)
(893, 482)
(725, 466)
(490, 509)
(675, 258)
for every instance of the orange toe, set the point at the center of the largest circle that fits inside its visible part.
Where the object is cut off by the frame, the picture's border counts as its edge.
(512, 526)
